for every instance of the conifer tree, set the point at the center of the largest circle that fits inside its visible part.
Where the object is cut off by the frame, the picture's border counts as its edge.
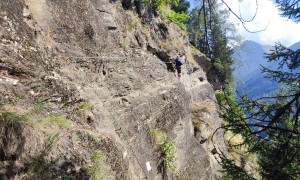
(270, 125)
(208, 29)
(182, 6)
(220, 51)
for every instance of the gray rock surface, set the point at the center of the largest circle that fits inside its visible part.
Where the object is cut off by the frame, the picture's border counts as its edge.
(85, 80)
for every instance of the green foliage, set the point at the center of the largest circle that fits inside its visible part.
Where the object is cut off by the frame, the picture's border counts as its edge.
(157, 136)
(232, 171)
(174, 15)
(166, 147)
(280, 157)
(167, 45)
(231, 111)
(225, 100)
(75, 139)
(213, 35)
(182, 7)
(92, 136)
(194, 25)
(38, 106)
(85, 106)
(145, 1)
(224, 71)
(178, 18)
(59, 120)
(221, 53)
(9, 118)
(289, 9)
(198, 108)
(11, 132)
(97, 171)
(161, 9)
(196, 123)
(159, 5)
(125, 45)
(132, 25)
(275, 120)
(168, 154)
(38, 167)
(270, 125)
(52, 139)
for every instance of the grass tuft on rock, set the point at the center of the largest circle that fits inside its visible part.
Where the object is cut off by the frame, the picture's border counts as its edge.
(166, 147)
(59, 120)
(168, 154)
(85, 106)
(11, 117)
(97, 170)
(158, 137)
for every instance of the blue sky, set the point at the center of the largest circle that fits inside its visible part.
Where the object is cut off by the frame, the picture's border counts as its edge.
(279, 29)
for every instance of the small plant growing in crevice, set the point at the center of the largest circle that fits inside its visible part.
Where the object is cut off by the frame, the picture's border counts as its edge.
(59, 120)
(166, 147)
(125, 45)
(158, 137)
(85, 106)
(11, 123)
(167, 46)
(38, 167)
(206, 106)
(11, 135)
(38, 106)
(10, 117)
(132, 25)
(90, 136)
(75, 139)
(52, 139)
(196, 123)
(98, 170)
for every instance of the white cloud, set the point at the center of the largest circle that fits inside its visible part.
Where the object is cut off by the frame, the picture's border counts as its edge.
(279, 28)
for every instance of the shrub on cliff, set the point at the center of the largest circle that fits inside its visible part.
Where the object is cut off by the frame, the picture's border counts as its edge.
(178, 17)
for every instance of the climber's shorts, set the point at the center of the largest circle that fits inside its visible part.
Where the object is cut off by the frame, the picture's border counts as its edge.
(178, 70)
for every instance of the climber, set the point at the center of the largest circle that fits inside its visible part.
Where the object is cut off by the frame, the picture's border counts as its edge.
(178, 63)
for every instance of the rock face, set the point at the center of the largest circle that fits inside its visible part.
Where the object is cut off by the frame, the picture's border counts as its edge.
(83, 83)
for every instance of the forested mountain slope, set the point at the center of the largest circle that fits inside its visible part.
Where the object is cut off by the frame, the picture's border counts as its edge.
(250, 56)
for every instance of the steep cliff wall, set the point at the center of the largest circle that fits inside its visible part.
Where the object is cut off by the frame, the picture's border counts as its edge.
(86, 83)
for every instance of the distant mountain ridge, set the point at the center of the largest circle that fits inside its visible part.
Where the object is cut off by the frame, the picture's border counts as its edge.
(250, 56)
(295, 46)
